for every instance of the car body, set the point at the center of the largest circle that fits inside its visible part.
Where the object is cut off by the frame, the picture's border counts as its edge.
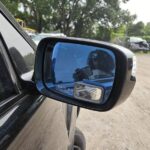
(30, 120)
(137, 44)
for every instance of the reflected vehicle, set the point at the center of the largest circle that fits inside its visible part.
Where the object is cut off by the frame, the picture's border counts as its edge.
(37, 38)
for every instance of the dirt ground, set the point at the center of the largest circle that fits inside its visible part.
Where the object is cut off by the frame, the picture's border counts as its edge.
(126, 127)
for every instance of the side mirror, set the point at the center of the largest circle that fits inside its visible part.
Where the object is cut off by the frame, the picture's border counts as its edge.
(87, 73)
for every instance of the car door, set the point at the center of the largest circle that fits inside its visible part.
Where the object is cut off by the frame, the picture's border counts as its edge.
(30, 121)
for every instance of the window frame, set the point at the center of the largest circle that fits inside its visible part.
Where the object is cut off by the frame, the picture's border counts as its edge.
(8, 16)
(21, 91)
(9, 65)
(5, 103)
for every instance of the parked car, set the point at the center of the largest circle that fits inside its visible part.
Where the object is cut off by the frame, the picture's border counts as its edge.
(76, 72)
(37, 38)
(137, 44)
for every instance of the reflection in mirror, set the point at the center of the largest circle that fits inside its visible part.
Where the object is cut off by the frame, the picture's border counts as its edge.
(87, 92)
(80, 71)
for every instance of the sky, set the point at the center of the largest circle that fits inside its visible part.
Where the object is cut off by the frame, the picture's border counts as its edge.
(139, 7)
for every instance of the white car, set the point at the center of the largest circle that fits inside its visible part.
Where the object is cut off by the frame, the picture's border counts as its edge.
(40, 36)
(137, 44)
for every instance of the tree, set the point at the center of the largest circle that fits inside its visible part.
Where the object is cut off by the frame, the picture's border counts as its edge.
(12, 5)
(81, 18)
(85, 18)
(37, 13)
(147, 29)
(136, 29)
(103, 33)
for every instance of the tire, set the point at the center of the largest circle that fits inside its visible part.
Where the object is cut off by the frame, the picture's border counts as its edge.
(79, 140)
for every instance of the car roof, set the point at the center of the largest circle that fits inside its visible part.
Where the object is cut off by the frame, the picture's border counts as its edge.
(136, 39)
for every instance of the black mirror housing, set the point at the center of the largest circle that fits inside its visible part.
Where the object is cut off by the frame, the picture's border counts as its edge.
(83, 78)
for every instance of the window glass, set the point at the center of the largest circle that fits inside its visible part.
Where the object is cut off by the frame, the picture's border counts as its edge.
(21, 52)
(6, 85)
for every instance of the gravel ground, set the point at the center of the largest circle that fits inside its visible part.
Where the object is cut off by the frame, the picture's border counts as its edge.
(127, 127)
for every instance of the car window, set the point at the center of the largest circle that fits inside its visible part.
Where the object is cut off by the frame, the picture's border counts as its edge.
(21, 52)
(6, 86)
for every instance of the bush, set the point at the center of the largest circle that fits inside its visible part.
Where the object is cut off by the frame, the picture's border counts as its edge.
(147, 38)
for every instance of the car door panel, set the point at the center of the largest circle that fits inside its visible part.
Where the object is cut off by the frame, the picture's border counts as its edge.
(45, 130)
(16, 116)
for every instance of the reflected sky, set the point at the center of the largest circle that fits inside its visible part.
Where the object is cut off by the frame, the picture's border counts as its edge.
(68, 57)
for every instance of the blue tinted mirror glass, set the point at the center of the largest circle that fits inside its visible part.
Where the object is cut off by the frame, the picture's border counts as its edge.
(80, 71)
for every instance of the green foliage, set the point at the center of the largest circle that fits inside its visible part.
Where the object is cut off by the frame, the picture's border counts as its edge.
(103, 33)
(147, 38)
(147, 29)
(12, 5)
(81, 18)
(139, 30)
(36, 13)
(119, 32)
(136, 29)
